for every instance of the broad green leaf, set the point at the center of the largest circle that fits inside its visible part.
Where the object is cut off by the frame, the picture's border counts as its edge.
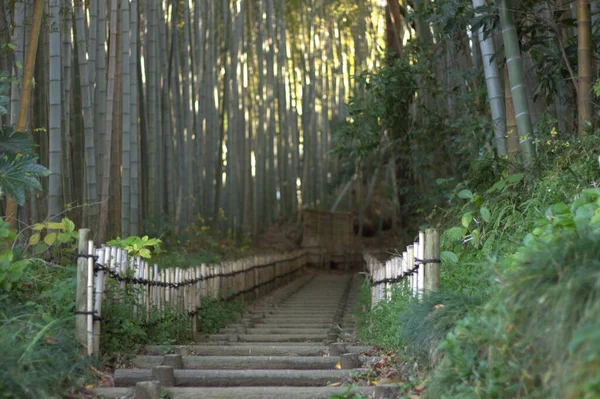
(559, 208)
(55, 226)
(485, 214)
(64, 237)
(34, 239)
(50, 239)
(465, 194)
(145, 253)
(498, 186)
(38, 227)
(448, 257)
(69, 225)
(466, 219)
(455, 233)
(517, 177)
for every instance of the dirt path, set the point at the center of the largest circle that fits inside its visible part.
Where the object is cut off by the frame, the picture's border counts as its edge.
(287, 345)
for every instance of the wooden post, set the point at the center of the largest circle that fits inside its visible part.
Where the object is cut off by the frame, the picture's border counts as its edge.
(405, 266)
(432, 252)
(421, 256)
(81, 289)
(90, 299)
(101, 252)
(410, 251)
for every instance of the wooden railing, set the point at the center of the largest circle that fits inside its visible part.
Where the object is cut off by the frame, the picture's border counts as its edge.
(417, 268)
(177, 289)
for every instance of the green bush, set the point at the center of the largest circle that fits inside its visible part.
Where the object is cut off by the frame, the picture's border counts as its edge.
(39, 359)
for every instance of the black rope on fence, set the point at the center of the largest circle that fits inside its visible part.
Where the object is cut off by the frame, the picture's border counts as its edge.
(141, 281)
(93, 313)
(409, 272)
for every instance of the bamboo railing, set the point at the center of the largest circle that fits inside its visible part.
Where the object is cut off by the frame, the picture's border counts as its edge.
(178, 289)
(417, 269)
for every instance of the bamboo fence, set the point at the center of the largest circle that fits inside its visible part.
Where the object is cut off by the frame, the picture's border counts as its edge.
(417, 269)
(177, 289)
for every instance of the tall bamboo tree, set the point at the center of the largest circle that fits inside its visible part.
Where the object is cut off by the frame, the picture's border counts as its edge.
(517, 80)
(55, 113)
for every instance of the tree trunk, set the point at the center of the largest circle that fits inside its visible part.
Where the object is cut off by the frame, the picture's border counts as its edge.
(91, 191)
(494, 86)
(584, 62)
(55, 115)
(25, 95)
(134, 130)
(126, 121)
(517, 80)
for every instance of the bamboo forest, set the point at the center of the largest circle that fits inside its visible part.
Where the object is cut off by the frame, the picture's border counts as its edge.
(299, 199)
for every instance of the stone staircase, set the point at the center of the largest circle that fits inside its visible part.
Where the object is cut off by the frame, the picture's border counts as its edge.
(295, 343)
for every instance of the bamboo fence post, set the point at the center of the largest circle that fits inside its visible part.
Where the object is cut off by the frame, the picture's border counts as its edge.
(256, 275)
(163, 290)
(119, 270)
(198, 288)
(99, 291)
(186, 291)
(150, 291)
(167, 277)
(90, 299)
(406, 283)
(157, 288)
(136, 274)
(432, 252)
(81, 289)
(204, 282)
(418, 266)
(421, 256)
(410, 250)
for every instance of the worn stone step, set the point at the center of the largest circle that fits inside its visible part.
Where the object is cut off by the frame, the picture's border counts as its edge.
(254, 349)
(239, 392)
(285, 330)
(267, 337)
(228, 378)
(244, 362)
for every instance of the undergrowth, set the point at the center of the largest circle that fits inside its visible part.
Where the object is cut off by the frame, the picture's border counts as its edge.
(517, 314)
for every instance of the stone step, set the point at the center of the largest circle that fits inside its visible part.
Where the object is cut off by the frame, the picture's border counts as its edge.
(268, 337)
(244, 362)
(229, 378)
(239, 392)
(253, 349)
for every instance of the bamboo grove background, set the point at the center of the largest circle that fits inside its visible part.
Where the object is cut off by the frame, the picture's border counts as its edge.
(150, 110)
(158, 112)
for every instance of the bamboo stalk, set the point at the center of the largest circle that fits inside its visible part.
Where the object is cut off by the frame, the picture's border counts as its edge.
(101, 253)
(80, 291)
(90, 300)
(421, 255)
(432, 251)
(410, 251)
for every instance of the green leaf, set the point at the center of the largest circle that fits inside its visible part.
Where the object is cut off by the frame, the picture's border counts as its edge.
(465, 194)
(466, 219)
(18, 142)
(64, 237)
(34, 239)
(145, 253)
(517, 177)
(38, 227)
(455, 233)
(50, 239)
(55, 226)
(19, 174)
(485, 214)
(448, 257)
(69, 225)
(498, 186)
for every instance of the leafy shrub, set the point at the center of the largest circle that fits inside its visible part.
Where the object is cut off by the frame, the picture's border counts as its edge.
(39, 359)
